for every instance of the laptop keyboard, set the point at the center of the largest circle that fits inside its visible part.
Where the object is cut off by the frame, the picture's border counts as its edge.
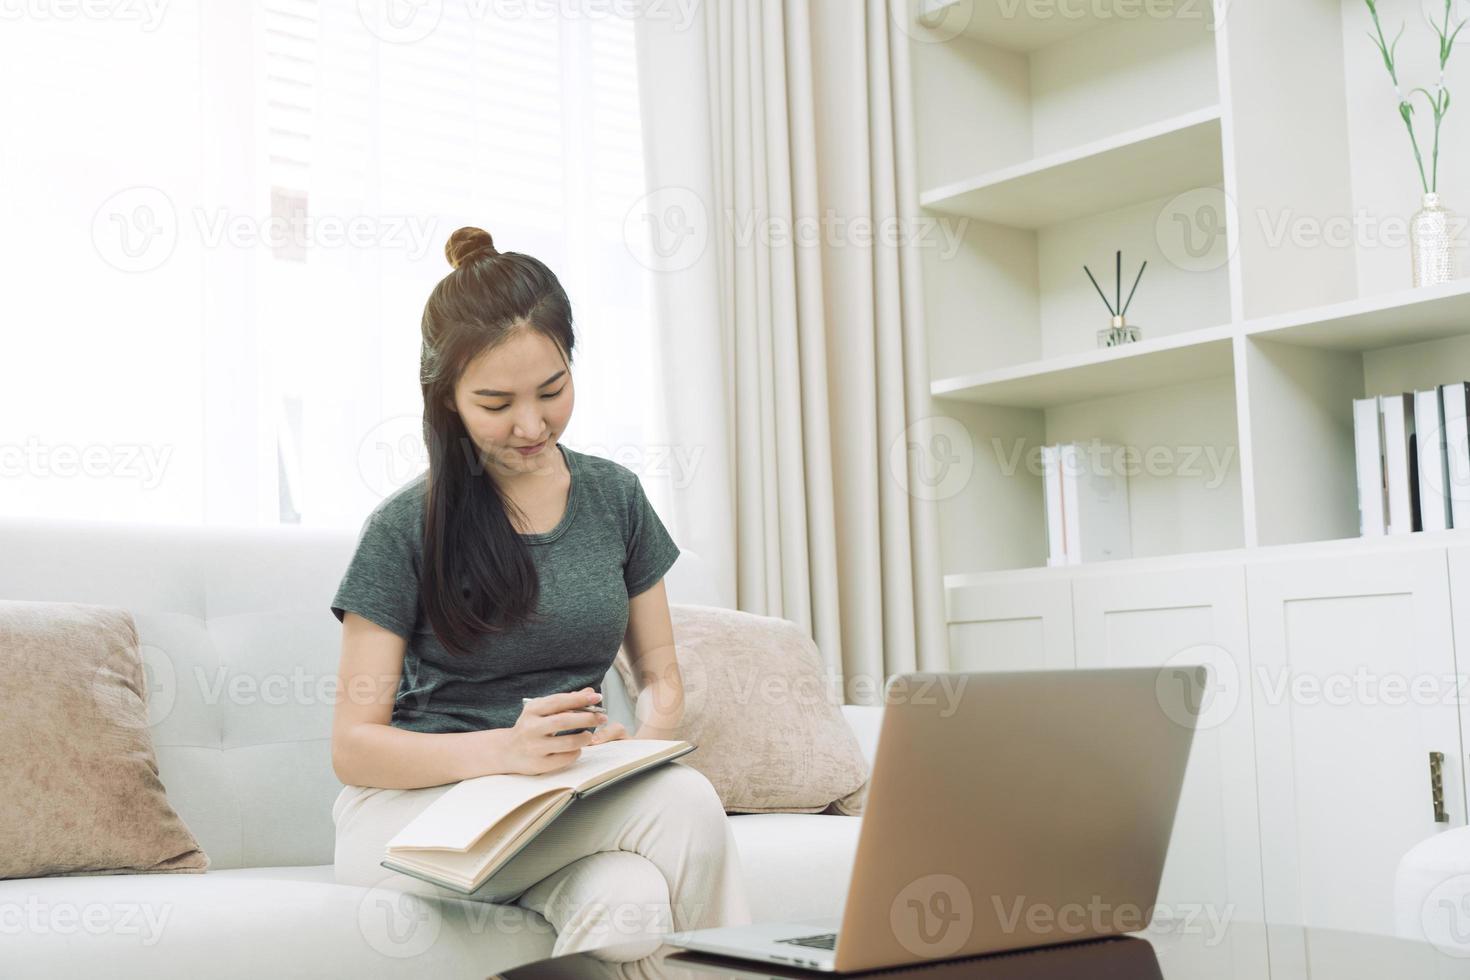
(826, 941)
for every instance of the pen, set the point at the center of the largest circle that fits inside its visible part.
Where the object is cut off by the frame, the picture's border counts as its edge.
(573, 731)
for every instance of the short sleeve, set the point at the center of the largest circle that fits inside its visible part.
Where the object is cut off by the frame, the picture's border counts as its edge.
(651, 551)
(381, 582)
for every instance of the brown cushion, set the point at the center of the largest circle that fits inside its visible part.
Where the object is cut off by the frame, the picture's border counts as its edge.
(77, 769)
(764, 712)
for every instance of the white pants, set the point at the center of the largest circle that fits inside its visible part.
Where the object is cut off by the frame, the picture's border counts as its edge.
(622, 866)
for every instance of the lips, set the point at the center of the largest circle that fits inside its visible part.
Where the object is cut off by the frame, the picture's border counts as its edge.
(528, 450)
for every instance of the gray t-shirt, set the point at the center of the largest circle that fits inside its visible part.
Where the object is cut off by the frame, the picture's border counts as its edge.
(609, 546)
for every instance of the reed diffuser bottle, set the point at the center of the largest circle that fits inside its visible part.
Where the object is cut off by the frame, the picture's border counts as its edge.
(1118, 331)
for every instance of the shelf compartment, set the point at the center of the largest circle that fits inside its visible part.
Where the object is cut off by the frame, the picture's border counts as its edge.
(1100, 373)
(1168, 157)
(1182, 446)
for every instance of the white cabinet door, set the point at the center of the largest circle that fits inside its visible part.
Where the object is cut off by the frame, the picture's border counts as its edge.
(1212, 875)
(1350, 658)
(1459, 561)
(1023, 625)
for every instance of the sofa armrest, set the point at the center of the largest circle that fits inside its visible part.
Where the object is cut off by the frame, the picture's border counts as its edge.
(865, 720)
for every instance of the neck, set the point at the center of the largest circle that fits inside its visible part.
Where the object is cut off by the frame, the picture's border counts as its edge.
(528, 480)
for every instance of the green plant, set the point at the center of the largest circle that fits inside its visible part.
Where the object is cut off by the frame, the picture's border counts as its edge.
(1439, 99)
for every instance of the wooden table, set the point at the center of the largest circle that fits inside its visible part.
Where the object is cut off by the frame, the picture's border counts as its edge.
(1330, 955)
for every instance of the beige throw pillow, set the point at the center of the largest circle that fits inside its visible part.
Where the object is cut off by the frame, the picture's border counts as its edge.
(77, 769)
(760, 705)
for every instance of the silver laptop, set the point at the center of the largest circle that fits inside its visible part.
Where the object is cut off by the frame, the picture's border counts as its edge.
(1005, 811)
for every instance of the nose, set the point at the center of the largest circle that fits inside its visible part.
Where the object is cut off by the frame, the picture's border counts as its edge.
(528, 427)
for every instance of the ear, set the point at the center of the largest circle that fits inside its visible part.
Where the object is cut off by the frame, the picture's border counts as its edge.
(449, 404)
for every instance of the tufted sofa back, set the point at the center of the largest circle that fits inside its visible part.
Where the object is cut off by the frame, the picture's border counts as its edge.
(241, 651)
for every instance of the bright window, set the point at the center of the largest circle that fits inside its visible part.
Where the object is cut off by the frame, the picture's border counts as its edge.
(222, 223)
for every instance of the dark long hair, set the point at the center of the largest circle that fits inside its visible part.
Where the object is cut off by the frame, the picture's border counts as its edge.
(477, 576)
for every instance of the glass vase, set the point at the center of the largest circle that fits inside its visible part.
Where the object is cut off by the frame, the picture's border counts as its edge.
(1431, 243)
(1119, 332)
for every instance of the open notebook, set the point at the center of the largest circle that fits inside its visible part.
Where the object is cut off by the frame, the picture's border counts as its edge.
(461, 839)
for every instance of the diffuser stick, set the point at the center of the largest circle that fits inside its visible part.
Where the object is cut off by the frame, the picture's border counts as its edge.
(1100, 293)
(1118, 284)
(1134, 289)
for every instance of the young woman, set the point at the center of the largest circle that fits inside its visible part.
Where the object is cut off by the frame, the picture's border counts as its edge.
(514, 567)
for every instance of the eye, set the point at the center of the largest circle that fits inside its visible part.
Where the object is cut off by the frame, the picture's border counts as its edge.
(501, 408)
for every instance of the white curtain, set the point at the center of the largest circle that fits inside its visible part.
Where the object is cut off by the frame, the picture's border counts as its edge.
(777, 143)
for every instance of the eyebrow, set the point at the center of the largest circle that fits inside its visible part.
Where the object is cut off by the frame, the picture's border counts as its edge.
(502, 394)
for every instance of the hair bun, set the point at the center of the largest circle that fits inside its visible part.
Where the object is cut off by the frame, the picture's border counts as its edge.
(468, 243)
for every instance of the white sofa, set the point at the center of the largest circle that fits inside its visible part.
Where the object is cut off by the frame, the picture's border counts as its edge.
(1432, 894)
(242, 654)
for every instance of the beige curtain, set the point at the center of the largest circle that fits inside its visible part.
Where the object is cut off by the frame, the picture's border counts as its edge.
(792, 364)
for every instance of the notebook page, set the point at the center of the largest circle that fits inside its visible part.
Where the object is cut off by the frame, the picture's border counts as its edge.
(457, 819)
(467, 864)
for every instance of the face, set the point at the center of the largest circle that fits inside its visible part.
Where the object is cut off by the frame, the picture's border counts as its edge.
(517, 394)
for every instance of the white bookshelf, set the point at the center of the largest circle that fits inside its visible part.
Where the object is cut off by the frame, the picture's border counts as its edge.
(1107, 174)
(1260, 168)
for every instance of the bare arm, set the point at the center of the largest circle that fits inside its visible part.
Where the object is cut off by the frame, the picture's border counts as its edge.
(368, 751)
(649, 640)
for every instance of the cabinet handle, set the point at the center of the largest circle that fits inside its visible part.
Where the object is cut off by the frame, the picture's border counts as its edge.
(1436, 786)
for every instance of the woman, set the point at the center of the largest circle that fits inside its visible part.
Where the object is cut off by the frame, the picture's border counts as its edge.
(514, 567)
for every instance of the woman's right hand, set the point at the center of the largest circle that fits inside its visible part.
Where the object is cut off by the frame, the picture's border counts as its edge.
(534, 749)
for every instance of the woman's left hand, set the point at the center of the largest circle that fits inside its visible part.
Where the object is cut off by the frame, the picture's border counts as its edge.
(609, 732)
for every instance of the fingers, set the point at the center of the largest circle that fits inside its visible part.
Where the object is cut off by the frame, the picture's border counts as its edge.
(561, 743)
(563, 721)
(610, 732)
(565, 701)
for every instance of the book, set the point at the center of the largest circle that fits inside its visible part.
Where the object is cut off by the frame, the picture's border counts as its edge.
(461, 839)
(1056, 534)
(1368, 445)
(1434, 499)
(1454, 399)
(1399, 453)
(1094, 504)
